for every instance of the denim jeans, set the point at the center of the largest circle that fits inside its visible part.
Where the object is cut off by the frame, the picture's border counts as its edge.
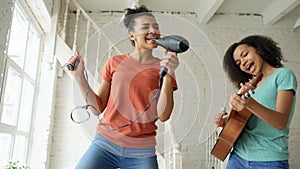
(103, 154)
(236, 162)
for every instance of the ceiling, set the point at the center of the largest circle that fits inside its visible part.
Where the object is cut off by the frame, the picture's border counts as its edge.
(270, 10)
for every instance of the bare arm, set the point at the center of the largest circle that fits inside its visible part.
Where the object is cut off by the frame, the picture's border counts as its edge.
(166, 101)
(97, 100)
(276, 118)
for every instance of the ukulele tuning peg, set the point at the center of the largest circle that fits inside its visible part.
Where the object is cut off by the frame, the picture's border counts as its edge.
(244, 97)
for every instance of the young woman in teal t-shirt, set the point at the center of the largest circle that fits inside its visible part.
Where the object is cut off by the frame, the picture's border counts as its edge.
(263, 143)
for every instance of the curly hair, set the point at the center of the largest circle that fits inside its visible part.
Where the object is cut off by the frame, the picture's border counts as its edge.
(131, 14)
(265, 47)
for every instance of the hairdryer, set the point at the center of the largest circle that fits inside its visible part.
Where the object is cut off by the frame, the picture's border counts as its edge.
(173, 43)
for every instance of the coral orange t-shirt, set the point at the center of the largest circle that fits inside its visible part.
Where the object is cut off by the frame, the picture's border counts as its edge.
(133, 85)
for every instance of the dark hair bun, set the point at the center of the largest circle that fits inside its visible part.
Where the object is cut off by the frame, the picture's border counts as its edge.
(132, 13)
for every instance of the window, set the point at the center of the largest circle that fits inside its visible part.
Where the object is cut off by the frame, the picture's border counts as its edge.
(20, 79)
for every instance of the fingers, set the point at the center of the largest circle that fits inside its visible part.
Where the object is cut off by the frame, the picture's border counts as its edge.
(236, 102)
(220, 115)
(170, 61)
(219, 119)
(74, 58)
(75, 63)
(77, 56)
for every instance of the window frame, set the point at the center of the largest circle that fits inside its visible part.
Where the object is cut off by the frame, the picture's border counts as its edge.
(6, 128)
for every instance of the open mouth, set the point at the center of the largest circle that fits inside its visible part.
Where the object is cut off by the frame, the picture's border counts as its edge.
(150, 39)
(250, 66)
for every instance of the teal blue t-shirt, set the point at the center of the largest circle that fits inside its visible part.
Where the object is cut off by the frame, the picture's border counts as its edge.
(259, 141)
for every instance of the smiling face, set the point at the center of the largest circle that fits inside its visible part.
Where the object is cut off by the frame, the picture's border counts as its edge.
(144, 29)
(248, 60)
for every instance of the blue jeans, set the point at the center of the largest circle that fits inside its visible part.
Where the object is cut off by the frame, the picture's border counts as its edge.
(103, 154)
(236, 162)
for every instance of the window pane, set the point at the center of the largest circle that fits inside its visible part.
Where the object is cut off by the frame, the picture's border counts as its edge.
(26, 106)
(12, 94)
(20, 149)
(18, 37)
(5, 147)
(32, 54)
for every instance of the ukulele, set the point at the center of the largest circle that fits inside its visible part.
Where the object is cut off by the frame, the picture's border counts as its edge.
(235, 122)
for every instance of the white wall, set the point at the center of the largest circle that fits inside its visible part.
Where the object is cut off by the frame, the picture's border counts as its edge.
(68, 140)
(5, 20)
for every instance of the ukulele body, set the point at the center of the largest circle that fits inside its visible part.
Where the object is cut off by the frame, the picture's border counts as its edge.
(230, 133)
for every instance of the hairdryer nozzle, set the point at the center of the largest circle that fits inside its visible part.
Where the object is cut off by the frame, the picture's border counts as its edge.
(173, 43)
